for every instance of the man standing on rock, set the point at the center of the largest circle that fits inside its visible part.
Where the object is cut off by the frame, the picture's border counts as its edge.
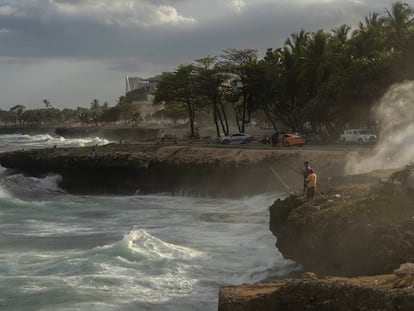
(305, 174)
(311, 187)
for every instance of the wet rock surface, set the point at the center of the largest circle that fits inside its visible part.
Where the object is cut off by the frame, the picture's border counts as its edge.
(319, 294)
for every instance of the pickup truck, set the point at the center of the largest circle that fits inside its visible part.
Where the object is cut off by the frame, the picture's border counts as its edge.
(357, 136)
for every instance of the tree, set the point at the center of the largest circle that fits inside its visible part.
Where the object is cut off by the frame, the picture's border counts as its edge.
(136, 116)
(18, 111)
(209, 84)
(7, 116)
(47, 103)
(178, 88)
(111, 114)
(369, 39)
(238, 64)
(399, 22)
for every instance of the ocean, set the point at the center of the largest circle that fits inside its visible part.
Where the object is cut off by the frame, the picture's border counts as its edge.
(140, 252)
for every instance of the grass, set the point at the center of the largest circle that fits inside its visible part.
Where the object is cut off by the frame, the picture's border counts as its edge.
(372, 209)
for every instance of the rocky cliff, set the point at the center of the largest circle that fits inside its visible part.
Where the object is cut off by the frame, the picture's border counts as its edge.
(358, 227)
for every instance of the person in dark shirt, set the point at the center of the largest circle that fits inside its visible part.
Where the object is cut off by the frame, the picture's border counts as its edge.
(305, 173)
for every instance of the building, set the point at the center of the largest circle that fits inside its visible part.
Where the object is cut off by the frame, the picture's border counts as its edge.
(135, 83)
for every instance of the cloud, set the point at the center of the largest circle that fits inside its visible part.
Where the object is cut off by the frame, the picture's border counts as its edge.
(238, 5)
(121, 12)
(144, 37)
(8, 10)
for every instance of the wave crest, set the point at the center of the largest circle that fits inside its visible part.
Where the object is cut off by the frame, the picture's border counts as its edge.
(139, 245)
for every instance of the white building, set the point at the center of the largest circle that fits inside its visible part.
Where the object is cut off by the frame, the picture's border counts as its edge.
(134, 83)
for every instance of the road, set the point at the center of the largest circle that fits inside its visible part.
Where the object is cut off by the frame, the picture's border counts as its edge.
(258, 145)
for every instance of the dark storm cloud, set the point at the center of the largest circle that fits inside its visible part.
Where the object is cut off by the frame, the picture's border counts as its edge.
(43, 30)
(81, 28)
(104, 40)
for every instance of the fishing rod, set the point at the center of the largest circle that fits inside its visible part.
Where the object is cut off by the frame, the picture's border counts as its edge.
(280, 179)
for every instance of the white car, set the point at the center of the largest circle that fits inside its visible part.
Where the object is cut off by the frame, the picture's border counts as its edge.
(242, 138)
(357, 136)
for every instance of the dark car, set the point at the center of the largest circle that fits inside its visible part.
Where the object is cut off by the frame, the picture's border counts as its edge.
(312, 139)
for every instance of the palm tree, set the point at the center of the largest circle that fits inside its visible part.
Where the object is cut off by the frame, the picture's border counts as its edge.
(318, 59)
(297, 43)
(341, 34)
(368, 39)
(399, 22)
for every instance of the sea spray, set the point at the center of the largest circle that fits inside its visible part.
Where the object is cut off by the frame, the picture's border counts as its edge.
(395, 148)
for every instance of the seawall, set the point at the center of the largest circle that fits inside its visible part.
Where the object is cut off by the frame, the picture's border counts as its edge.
(211, 171)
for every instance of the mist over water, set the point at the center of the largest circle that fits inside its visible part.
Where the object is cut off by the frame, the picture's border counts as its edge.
(395, 147)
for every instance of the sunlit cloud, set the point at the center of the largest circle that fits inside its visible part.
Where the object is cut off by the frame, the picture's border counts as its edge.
(238, 4)
(124, 13)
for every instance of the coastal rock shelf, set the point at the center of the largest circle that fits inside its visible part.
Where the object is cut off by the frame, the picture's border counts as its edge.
(380, 293)
(333, 242)
(212, 171)
(354, 229)
(359, 237)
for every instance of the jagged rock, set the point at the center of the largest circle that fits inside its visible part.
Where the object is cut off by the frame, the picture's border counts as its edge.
(365, 234)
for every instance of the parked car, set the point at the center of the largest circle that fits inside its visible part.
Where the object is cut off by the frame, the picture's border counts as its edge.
(292, 140)
(358, 136)
(242, 138)
(312, 139)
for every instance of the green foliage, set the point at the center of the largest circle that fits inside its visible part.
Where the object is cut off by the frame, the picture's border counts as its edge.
(136, 95)
(109, 115)
(374, 209)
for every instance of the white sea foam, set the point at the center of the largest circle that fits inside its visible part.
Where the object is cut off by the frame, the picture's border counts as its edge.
(25, 187)
(19, 141)
(142, 243)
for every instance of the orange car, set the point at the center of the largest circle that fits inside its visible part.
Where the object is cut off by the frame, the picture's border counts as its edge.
(292, 140)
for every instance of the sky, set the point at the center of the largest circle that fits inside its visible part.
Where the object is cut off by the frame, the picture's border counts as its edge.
(71, 52)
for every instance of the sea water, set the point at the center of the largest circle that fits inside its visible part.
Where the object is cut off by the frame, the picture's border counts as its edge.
(140, 252)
